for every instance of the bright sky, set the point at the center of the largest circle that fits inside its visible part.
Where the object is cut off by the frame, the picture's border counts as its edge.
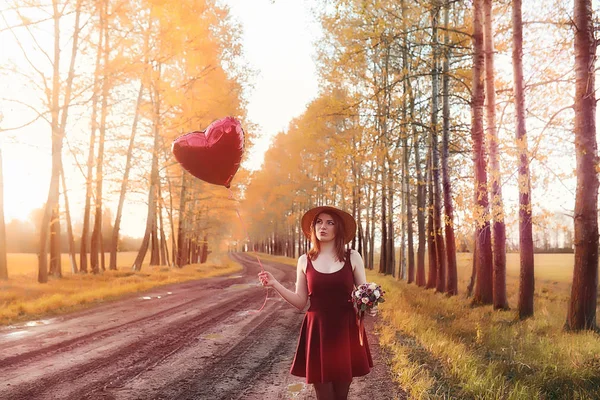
(278, 41)
(278, 44)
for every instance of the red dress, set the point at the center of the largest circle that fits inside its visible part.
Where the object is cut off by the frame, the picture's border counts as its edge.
(329, 349)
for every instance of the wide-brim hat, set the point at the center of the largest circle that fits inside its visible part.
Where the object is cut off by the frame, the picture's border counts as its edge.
(349, 222)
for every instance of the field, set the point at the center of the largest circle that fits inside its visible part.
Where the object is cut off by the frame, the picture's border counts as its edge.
(443, 348)
(22, 298)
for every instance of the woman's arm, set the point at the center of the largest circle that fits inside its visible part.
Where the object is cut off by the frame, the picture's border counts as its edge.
(298, 298)
(358, 268)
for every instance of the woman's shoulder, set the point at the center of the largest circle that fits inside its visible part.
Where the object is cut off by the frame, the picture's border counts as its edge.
(354, 254)
(303, 262)
(355, 258)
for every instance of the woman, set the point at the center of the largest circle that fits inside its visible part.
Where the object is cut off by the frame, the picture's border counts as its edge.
(329, 353)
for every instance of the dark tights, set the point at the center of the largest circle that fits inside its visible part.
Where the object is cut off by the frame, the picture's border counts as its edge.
(332, 390)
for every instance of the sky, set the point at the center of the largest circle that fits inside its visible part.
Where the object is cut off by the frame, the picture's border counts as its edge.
(278, 37)
(278, 42)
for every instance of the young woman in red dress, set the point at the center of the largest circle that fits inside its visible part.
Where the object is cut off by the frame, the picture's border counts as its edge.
(329, 353)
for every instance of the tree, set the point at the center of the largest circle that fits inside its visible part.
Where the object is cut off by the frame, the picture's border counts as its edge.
(584, 291)
(483, 283)
(527, 281)
(96, 247)
(498, 227)
(50, 220)
(154, 177)
(3, 259)
(451, 277)
(438, 239)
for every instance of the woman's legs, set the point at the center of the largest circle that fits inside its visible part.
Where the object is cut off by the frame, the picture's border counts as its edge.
(341, 390)
(325, 391)
(332, 390)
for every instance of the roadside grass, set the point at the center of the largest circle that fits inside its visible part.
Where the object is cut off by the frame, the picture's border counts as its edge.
(444, 348)
(22, 298)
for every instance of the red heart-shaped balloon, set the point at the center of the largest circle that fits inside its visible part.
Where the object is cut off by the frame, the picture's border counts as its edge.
(213, 155)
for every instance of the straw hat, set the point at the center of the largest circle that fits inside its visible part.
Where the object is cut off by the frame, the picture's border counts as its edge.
(349, 222)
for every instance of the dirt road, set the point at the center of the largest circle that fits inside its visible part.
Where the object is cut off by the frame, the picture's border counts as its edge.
(197, 340)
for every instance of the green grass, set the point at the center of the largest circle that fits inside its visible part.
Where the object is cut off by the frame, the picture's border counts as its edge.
(23, 298)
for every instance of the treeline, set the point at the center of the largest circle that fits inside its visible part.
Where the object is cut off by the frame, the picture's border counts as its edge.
(421, 135)
(21, 237)
(117, 82)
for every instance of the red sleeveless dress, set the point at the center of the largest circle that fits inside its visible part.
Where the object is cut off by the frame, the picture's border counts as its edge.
(329, 349)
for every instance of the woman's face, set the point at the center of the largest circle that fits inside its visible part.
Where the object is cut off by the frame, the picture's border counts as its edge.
(325, 227)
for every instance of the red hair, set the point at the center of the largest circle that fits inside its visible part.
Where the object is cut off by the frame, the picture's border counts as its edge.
(340, 234)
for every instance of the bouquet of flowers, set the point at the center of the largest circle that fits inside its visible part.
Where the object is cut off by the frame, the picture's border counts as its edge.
(364, 298)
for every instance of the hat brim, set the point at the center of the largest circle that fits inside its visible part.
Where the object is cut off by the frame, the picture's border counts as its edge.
(349, 222)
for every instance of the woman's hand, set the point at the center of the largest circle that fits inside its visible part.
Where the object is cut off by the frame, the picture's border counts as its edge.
(267, 279)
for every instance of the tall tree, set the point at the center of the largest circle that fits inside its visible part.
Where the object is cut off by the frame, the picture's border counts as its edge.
(440, 283)
(3, 258)
(483, 283)
(584, 291)
(96, 246)
(498, 227)
(527, 281)
(58, 114)
(154, 178)
(451, 277)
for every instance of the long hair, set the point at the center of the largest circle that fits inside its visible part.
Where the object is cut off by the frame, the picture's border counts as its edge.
(340, 234)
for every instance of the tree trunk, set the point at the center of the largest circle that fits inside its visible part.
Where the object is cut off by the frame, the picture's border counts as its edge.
(527, 281)
(409, 216)
(151, 216)
(70, 237)
(3, 257)
(483, 284)
(204, 253)
(164, 259)
(97, 238)
(383, 268)
(421, 206)
(371, 233)
(154, 241)
(124, 182)
(431, 245)
(584, 291)
(438, 240)
(403, 219)
(83, 261)
(172, 223)
(55, 248)
(452, 276)
(391, 252)
(53, 190)
(181, 225)
(473, 268)
(498, 228)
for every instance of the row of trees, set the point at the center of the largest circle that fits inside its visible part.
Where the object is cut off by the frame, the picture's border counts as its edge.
(405, 135)
(118, 81)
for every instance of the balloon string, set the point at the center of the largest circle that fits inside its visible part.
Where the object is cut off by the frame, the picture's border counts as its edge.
(231, 197)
